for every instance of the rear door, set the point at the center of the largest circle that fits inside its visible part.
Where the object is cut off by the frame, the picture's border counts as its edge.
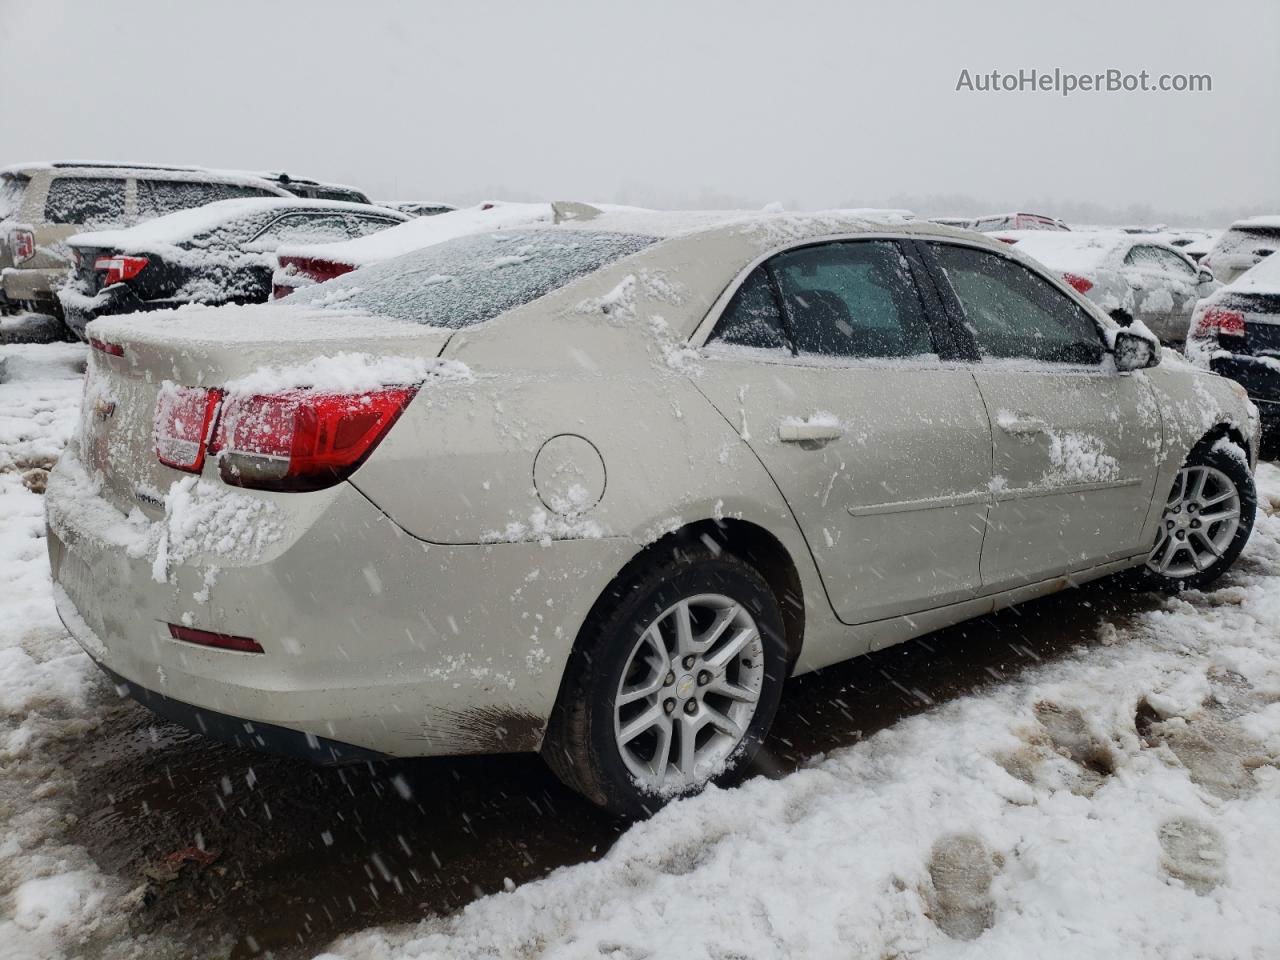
(1076, 445)
(827, 362)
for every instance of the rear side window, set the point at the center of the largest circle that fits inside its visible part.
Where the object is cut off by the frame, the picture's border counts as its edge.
(1012, 313)
(852, 300)
(472, 279)
(12, 190)
(363, 226)
(752, 318)
(85, 201)
(156, 198)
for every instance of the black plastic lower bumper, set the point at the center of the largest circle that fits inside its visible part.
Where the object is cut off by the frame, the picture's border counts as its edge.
(243, 733)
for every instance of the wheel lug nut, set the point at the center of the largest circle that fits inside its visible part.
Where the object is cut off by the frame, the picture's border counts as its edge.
(1195, 524)
(689, 661)
(1181, 535)
(691, 706)
(1169, 524)
(1177, 509)
(669, 679)
(669, 706)
(1191, 508)
(704, 677)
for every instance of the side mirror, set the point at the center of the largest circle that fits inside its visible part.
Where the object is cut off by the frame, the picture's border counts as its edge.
(1206, 275)
(1133, 351)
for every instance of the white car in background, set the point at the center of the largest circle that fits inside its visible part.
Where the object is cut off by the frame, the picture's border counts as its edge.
(1130, 276)
(1016, 221)
(1242, 246)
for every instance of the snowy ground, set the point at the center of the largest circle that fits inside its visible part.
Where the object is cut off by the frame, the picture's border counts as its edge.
(1118, 799)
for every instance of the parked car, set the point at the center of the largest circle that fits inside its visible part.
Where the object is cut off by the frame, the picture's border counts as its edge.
(960, 223)
(417, 208)
(596, 488)
(1016, 221)
(1235, 332)
(220, 253)
(1242, 245)
(41, 204)
(302, 265)
(1128, 275)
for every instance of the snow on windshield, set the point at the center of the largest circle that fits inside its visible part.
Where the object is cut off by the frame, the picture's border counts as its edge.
(475, 278)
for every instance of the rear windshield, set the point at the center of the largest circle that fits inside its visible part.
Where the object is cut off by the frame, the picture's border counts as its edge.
(156, 198)
(472, 279)
(85, 201)
(12, 188)
(1248, 239)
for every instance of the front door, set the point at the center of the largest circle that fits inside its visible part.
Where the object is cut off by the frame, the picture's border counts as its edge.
(1076, 444)
(825, 362)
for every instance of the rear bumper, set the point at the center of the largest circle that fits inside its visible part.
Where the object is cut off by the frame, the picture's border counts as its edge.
(1260, 377)
(372, 638)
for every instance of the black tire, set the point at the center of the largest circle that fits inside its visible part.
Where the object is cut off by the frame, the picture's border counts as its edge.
(1233, 464)
(580, 745)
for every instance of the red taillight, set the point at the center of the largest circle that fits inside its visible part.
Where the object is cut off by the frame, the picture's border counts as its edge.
(1216, 321)
(206, 638)
(183, 425)
(24, 245)
(1083, 284)
(300, 440)
(316, 268)
(111, 349)
(119, 269)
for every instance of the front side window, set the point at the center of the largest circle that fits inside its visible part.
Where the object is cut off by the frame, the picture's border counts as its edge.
(852, 299)
(1144, 256)
(85, 201)
(1014, 314)
(156, 198)
(471, 279)
(358, 226)
(1170, 262)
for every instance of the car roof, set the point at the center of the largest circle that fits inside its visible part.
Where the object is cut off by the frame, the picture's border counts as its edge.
(184, 224)
(275, 178)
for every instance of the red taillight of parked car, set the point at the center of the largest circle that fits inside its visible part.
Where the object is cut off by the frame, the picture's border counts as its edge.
(184, 421)
(23, 244)
(207, 638)
(110, 349)
(1083, 284)
(1218, 322)
(119, 269)
(302, 440)
(315, 269)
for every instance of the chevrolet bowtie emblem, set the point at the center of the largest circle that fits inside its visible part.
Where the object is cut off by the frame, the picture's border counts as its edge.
(104, 409)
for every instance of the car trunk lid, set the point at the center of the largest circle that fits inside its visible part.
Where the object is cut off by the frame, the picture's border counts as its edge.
(136, 358)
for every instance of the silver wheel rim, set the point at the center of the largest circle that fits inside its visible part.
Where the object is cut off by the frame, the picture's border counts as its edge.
(1198, 524)
(688, 692)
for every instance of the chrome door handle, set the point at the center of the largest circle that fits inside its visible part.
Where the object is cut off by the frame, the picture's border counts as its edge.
(1021, 426)
(801, 432)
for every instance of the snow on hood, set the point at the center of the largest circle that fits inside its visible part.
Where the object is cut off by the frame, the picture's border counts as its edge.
(171, 230)
(1074, 252)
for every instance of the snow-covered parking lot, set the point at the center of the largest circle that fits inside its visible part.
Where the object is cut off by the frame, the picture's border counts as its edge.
(1094, 774)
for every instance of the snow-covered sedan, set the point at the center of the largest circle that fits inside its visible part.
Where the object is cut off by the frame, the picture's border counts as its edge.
(219, 253)
(1236, 333)
(1130, 276)
(596, 489)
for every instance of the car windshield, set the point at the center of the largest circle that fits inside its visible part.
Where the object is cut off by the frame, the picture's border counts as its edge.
(472, 279)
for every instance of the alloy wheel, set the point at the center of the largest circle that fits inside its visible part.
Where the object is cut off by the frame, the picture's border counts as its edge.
(1198, 523)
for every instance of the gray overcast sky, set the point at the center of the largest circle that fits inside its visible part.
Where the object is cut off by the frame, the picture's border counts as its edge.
(681, 104)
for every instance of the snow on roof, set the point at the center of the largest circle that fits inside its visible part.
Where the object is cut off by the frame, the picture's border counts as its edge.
(185, 224)
(424, 232)
(1072, 251)
(1268, 220)
(276, 178)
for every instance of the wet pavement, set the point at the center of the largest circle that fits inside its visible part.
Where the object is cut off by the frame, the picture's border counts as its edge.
(236, 854)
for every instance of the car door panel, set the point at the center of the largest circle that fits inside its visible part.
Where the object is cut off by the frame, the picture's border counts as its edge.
(881, 449)
(1076, 445)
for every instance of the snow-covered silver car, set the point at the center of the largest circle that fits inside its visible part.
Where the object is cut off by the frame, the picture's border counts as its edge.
(1130, 276)
(597, 489)
(1241, 246)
